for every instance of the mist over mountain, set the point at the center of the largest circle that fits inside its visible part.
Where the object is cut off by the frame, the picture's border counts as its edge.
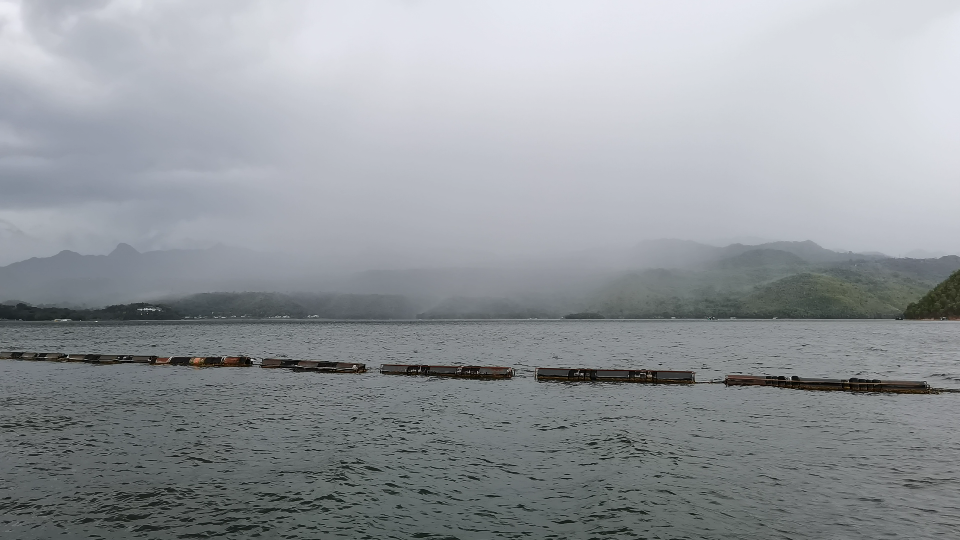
(660, 278)
(396, 135)
(126, 275)
(771, 283)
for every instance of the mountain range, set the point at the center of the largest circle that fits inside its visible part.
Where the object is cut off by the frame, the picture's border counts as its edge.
(659, 278)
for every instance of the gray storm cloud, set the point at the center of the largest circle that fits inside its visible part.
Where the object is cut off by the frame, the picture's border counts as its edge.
(434, 132)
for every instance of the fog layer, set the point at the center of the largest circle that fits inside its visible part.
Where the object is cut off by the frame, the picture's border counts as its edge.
(411, 134)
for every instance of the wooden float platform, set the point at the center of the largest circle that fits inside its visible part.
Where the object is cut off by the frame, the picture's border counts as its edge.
(272, 363)
(133, 359)
(852, 384)
(318, 366)
(173, 360)
(197, 361)
(10, 355)
(648, 376)
(462, 372)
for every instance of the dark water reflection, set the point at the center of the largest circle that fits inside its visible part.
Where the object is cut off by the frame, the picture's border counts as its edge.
(128, 451)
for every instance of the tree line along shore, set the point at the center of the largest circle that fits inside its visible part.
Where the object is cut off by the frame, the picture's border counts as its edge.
(805, 296)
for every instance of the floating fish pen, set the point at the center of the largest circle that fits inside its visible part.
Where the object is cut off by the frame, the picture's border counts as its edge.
(106, 359)
(173, 360)
(463, 372)
(848, 385)
(32, 356)
(318, 366)
(278, 363)
(206, 361)
(647, 376)
(89, 358)
(138, 359)
(236, 361)
(198, 361)
(329, 367)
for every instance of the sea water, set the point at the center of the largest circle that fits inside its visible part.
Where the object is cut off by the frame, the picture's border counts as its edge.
(138, 451)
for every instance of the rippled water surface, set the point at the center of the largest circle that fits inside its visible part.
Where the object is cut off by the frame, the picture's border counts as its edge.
(133, 451)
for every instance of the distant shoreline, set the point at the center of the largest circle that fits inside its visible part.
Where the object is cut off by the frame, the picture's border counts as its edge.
(484, 319)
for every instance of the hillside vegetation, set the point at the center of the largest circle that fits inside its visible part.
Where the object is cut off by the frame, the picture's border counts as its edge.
(815, 296)
(657, 279)
(295, 306)
(767, 283)
(942, 301)
(231, 305)
(126, 312)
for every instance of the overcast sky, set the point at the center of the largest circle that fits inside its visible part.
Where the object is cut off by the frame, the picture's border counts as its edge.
(445, 131)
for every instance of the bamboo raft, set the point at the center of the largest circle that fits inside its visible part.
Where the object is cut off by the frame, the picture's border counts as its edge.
(616, 375)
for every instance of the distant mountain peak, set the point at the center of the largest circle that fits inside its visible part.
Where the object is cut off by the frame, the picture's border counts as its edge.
(123, 250)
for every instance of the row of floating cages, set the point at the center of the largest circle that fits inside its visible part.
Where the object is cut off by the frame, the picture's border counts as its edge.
(318, 366)
(17, 355)
(463, 372)
(89, 358)
(237, 361)
(648, 376)
(852, 384)
(196, 361)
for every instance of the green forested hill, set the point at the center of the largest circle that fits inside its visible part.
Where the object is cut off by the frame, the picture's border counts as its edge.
(771, 283)
(252, 305)
(815, 296)
(295, 306)
(942, 301)
(762, 282)
(121, 312)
